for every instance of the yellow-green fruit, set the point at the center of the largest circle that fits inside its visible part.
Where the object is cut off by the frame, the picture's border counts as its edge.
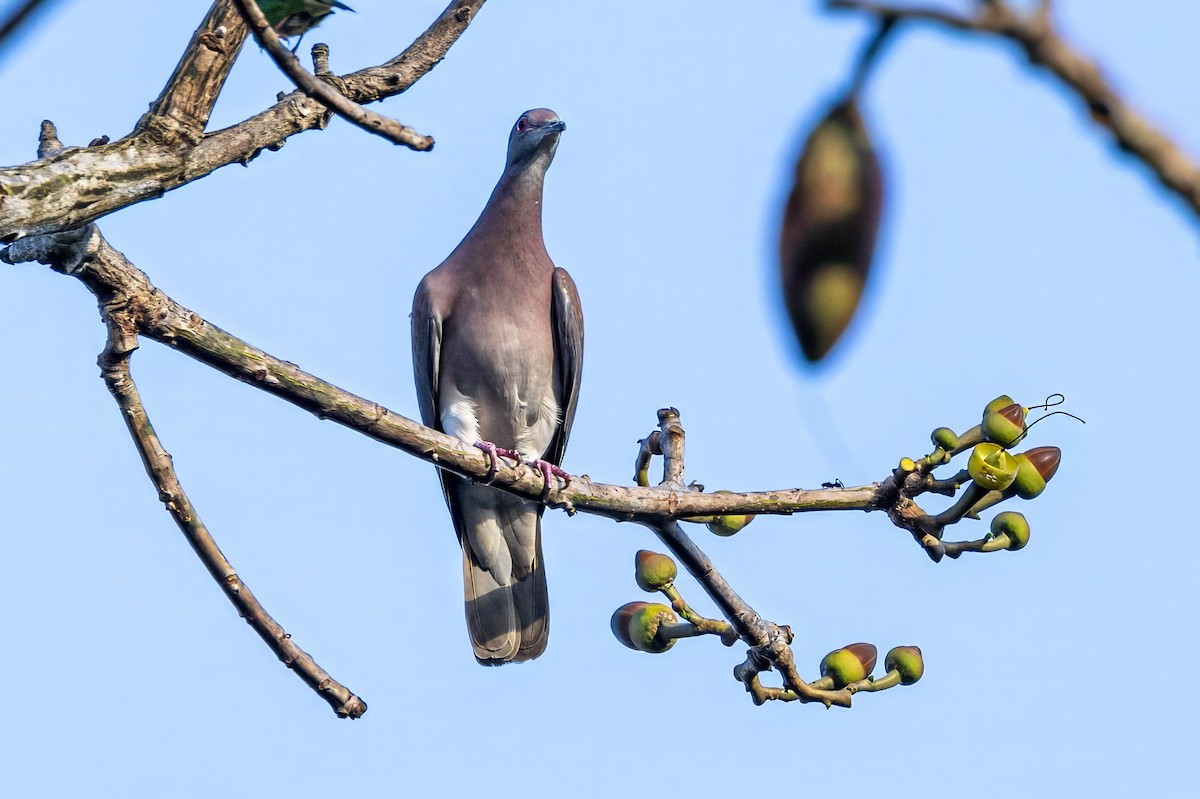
(728, 525)
(620, 622)
(1013, 525)
(945, 438)
(992, 467)
(643, 628)
(849, 664)
(907, 661)
(653, 571)
(1034, 468)
(1002, 401)
(1005, 426)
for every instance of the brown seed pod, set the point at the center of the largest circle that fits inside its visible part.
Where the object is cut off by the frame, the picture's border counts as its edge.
(829, 226)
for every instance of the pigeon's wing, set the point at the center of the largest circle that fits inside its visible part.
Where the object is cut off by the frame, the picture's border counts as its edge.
(566, 322)
(426, 353)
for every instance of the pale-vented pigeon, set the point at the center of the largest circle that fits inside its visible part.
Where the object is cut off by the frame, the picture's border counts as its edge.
(498, 352)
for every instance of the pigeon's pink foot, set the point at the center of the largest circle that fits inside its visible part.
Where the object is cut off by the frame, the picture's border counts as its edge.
(549, 471)
(493, 451)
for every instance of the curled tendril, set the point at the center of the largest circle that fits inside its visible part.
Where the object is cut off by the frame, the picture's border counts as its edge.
(1051, 401)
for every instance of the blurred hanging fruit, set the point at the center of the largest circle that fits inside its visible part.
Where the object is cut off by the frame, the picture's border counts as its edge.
(829, 226)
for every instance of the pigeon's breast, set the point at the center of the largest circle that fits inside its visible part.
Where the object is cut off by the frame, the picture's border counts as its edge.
(501, 386)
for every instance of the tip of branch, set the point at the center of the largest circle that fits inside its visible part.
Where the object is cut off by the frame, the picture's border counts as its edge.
(48, 142)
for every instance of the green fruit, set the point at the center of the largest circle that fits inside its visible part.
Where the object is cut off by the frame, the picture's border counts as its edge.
(1002, 401)
(620, 621)
(945, 438)
(1005, 426)
(992, 467)
(849, 664)
(907, 661)
(643, 628)
(653, 571)
(1034, 468)
(728, 525)
(1013, 526)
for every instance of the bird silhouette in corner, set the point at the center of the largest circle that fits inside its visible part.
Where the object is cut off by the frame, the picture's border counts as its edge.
(296, 17)
(497, 336)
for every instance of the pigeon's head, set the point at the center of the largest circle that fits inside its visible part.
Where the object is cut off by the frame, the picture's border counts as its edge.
(534, 137)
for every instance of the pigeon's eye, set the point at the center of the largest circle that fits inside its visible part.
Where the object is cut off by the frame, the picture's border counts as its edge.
(522, 125)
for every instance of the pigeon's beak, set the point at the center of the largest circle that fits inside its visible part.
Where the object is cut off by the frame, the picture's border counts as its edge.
(558, 126)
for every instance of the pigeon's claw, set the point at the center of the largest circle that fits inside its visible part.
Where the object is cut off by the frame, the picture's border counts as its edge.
(550, 471)
(494, 462)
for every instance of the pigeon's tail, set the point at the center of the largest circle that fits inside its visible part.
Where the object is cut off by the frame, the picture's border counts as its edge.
(504, 579)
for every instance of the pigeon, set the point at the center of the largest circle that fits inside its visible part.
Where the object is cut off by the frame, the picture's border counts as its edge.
(497, 335)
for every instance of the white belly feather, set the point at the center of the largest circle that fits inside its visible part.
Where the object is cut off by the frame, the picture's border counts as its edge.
(460, 418)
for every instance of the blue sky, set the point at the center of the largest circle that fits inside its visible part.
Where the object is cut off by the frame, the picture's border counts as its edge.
(1019, 253)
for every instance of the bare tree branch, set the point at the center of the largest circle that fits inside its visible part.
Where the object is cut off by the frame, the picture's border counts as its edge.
(78, 186)
(769, 643)
(108, 273)
(1045, 48)
(182, 110)
(70, 250)
(131, 305)
(114, 367)
(320, 90)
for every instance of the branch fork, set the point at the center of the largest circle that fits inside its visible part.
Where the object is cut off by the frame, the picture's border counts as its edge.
(325, 88)
(1034, 32)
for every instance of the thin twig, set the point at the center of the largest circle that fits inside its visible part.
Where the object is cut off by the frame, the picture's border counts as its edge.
(318, 89)
(770, 644)
(114, 368)
(771, 641)
(1044, 47)
(671, 440)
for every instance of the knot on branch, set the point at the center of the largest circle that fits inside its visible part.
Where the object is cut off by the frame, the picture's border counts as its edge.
(63, 252)
(464, 12)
